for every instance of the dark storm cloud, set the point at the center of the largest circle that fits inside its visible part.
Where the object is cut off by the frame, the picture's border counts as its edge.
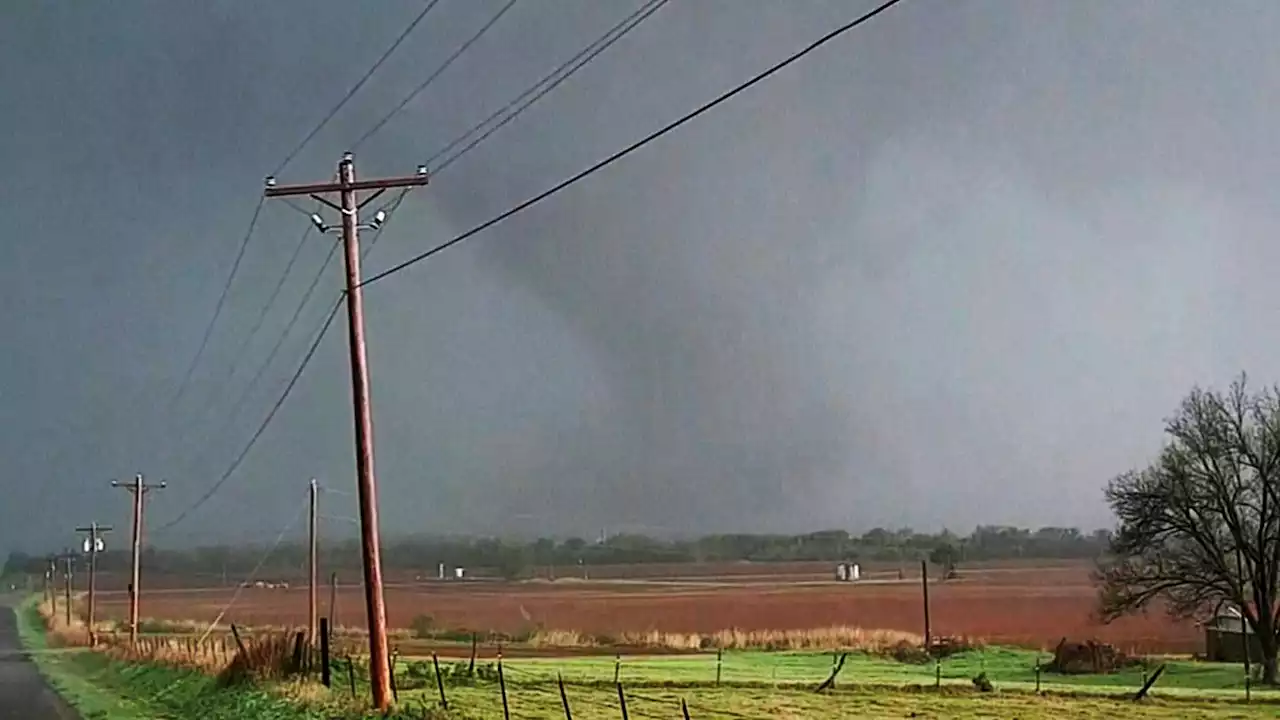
(953, 269)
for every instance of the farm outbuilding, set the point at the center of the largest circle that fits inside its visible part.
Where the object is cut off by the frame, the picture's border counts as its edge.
(848, 572)
(1225, 636)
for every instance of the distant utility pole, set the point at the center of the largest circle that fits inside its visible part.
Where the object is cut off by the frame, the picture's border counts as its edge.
(48, 580)
(349, 205)
(139, 489)
(313, 617)
(68, 558)
(50, 573)
(92, 546)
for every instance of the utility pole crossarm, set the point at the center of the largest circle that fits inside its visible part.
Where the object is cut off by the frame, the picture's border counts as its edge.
(95, 528)
(407, 181)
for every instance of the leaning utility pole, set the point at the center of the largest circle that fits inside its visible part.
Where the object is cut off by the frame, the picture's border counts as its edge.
(139, 489)
(313, 616)
(92, 546)
(349, 205)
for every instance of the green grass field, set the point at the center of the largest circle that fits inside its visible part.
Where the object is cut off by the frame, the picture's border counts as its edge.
(598, 703)
(780, 686)
(1008, 669)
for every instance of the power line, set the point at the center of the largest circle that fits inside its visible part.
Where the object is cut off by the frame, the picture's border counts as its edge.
(271, 301)
(636, 145)
(275, 350)
(217, 310)
(555, 78)
(293, 381)
(438, 71)
(238, 405)
(355, 88)
(257, 325)
(253, 574)
(389, 208)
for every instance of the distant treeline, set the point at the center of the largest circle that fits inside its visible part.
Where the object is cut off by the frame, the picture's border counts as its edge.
(513, 559)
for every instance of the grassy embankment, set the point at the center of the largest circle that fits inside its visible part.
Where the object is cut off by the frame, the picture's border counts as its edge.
(101, 687)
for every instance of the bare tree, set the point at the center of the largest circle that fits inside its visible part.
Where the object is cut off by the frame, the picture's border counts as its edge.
(1208, 505)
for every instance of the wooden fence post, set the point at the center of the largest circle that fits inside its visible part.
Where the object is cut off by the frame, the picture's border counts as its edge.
(325, 679)
(471, 669)
(622, 702)
(564, 698)
(299, 640)
(239, 643)
(502, 684)
(395, 692)
(444, 701)
(830, 682)
(351, 674)
(684, 708)
(1146, 686)
(719, 664)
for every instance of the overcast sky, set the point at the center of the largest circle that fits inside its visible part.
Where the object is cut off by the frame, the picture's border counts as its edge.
(954, 268)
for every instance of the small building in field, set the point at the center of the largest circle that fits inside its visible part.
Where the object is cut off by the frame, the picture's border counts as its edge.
(1225, 636)
(848, 572)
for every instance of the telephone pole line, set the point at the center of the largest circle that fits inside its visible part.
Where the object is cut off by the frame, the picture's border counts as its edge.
(349, 205)
(139, 489)
(314, 610)
(93, 544)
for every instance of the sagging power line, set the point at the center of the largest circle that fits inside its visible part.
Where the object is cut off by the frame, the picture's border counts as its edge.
(543, 87)
(185, 383)
(435, 74)
(355, 88)
(611, 159)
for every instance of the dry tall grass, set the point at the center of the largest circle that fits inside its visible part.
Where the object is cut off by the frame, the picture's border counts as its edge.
(841, 637)
(826, 638)
(268, 654)
(58, 630)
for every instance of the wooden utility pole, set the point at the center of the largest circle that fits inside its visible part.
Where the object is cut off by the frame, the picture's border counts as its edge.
(51, 573)
(313, 618)
(92, 546)
(349, 205)
(67, 559)
(924, 588)
(48, 581)
(139, 489)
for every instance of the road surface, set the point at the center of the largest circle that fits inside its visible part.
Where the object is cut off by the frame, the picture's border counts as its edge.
(23, 692)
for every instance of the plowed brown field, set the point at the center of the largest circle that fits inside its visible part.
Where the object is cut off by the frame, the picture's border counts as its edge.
(1018, 605)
